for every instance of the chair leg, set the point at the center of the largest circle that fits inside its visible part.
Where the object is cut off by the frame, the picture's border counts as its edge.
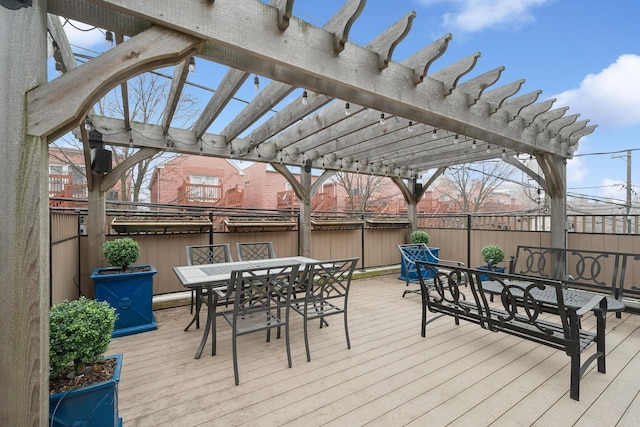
(346, 329)
(306, 338)
(286, 335)
(235, 355)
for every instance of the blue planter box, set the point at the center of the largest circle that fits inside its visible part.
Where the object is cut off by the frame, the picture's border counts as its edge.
(131, 294)
(484, 277)
(410, 273)
(94, 405)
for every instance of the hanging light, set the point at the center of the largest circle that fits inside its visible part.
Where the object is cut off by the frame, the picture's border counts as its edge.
(504, 153)
(304, 97)
(108, 40)
(488, 148)
(381, 118)
(347, 109)
(474, 145)
(87, 123)
(256, 83)
(456, 139)
(410, 127)
(192, 65)
(59, 68)
(434, 134)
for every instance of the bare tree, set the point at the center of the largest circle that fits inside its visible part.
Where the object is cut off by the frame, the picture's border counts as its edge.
(471, 185)
(361, 190)
(147, 94)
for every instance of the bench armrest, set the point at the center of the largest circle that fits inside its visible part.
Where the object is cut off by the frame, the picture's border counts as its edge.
(597, 300)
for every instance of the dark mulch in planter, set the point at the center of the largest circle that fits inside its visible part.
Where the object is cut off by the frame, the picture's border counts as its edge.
(102, 371)
(128, 270)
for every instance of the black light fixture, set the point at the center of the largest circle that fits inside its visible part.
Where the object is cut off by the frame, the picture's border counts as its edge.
(100, 158)
(108, 40)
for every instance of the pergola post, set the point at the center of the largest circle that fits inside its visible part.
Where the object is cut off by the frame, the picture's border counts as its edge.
(24, 223)
(559, 206)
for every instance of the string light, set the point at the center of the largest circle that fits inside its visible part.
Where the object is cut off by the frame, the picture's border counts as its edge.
(504, 153)
(304, 97)
(434, 134)
(381, 118)
(456, 139)
(108, 40)
(192, 65)
(410, 127)
(87, 123)
(474, 145)
(256, 83)
(488, 148)
(347, 109)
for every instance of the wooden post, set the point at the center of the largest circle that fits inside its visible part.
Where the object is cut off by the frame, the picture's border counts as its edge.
(24, 223)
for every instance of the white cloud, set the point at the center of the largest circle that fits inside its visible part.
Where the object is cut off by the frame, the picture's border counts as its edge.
(476, 15)
(577, 171)
(611, 97)
(84, 36)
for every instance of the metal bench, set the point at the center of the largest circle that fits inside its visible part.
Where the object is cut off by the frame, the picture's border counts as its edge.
(519, 311)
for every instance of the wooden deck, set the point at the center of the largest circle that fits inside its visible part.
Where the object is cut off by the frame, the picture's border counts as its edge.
(458, 375)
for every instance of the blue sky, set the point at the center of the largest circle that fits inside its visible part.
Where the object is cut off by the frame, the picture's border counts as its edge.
(585, 53)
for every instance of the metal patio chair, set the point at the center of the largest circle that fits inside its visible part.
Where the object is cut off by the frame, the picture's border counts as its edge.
(204, 254)
(260, 295)
(326, 286)
(255, 250)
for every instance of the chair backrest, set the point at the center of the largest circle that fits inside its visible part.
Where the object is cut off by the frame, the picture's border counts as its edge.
(208, 254)
(329, 279)
(255, 250)
(261, 289)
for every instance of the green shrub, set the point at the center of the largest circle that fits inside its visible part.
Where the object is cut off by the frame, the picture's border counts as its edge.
(419, 236)
(121, 252)
(80, 333)
(492, 254)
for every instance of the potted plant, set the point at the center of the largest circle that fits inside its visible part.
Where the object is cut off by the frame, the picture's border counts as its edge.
(419, 236)
(416, 251)
(128, 288)
(492, 256)
(83, 384)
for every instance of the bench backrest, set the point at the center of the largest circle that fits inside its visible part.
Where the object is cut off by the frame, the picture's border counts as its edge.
(603, 272)
(460, 292)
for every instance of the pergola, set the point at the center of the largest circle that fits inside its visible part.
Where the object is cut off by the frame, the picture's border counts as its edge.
(433, 118)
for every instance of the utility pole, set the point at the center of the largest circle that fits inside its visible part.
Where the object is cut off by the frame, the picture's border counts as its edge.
(628, 204)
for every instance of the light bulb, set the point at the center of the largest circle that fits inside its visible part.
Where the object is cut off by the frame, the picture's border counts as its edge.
(381, 118)
(504, 153)
(256, 83)
(192, 65)
(347, 109)
(410, 127)
(108, 40)
(87, 123)
(474, 145)
(434, 135)
(456, 139)
(304, 97)
(488, 148)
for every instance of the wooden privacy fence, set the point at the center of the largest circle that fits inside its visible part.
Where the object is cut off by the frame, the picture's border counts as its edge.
(373, 241)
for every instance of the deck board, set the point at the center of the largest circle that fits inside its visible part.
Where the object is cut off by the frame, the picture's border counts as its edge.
(457, 375)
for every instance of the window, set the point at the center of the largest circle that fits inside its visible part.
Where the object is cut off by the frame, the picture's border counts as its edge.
(58, 169)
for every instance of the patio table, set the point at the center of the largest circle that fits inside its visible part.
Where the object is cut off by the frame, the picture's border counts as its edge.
(214, 276)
